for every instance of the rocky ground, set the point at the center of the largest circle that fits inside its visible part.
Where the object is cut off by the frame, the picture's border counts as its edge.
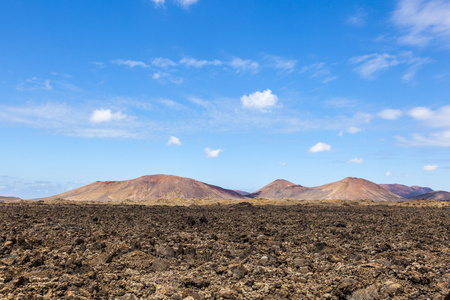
(64, 251)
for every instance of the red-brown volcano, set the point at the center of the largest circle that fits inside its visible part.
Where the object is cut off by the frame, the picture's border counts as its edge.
(150, 187)
(279, 189)
(350, 188)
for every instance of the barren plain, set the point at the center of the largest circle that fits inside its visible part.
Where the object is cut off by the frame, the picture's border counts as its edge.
(311, 250)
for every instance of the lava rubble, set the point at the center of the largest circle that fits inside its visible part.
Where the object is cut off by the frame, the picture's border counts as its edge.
(68, 251)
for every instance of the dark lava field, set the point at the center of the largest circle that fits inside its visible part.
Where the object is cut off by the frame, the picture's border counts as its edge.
(69, 251)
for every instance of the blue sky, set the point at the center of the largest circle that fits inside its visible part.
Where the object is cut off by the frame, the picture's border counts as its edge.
(232, 93)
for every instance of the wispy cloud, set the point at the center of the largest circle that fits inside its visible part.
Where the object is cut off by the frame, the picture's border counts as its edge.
(261, 101)
(356, 160)
(158, 2)
(163, 62)
(102, 133)
(320, 147)
(210, 153)
(369, 66)
(186, 3)
(358, 19)
(35, 83)
(281, 63)
(245, 65)
(195, 63)
(353, 129)
(423, 21)
(390, 114)
(319, 71)
(130, 63)
(438, 118)
(434, 139)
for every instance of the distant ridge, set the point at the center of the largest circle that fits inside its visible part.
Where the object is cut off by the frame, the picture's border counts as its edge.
(279, 189)
(406, 191)
(434, 195)
(7, 198)
(150, 187)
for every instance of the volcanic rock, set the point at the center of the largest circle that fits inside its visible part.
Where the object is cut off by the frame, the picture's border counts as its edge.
(406, 191)
(150, 187)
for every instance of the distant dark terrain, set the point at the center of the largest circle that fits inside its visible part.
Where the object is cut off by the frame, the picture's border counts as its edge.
(342, 250)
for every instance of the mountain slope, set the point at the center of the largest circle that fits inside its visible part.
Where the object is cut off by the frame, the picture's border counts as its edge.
(279, 189)
(148, 187)
(434, 195)
(406, 191)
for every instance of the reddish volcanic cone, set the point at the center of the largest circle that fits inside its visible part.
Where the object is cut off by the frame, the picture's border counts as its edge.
(279, 189)
(150, 187)
(350, 188)
(406, 191)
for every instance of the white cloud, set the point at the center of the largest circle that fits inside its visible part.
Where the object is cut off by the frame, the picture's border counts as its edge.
(353, 130)
(163, 62)
(245, 65)
(430, 167)
(260, 100)
(390, 114)
(105, 115)
(210, 153)
(439, 118)
(156, 76)
(371, 64)
(423, 21)
(130, 63)
(319, 71)
(173, 140)
(388, 173)
(192, 62)
(282, 163)
(35, 83)
(320, 147)
(355, 160)
(186, 3)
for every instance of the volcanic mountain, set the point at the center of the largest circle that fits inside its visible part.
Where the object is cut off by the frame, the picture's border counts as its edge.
(435, 195)
(279, 189)
(349, 188)
(406, 191)
(150, 187)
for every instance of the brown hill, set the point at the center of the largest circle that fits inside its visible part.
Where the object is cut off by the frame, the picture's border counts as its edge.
(279, 189)
(435, 195)
(150, 187)
(406, 191)
(349, 188)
